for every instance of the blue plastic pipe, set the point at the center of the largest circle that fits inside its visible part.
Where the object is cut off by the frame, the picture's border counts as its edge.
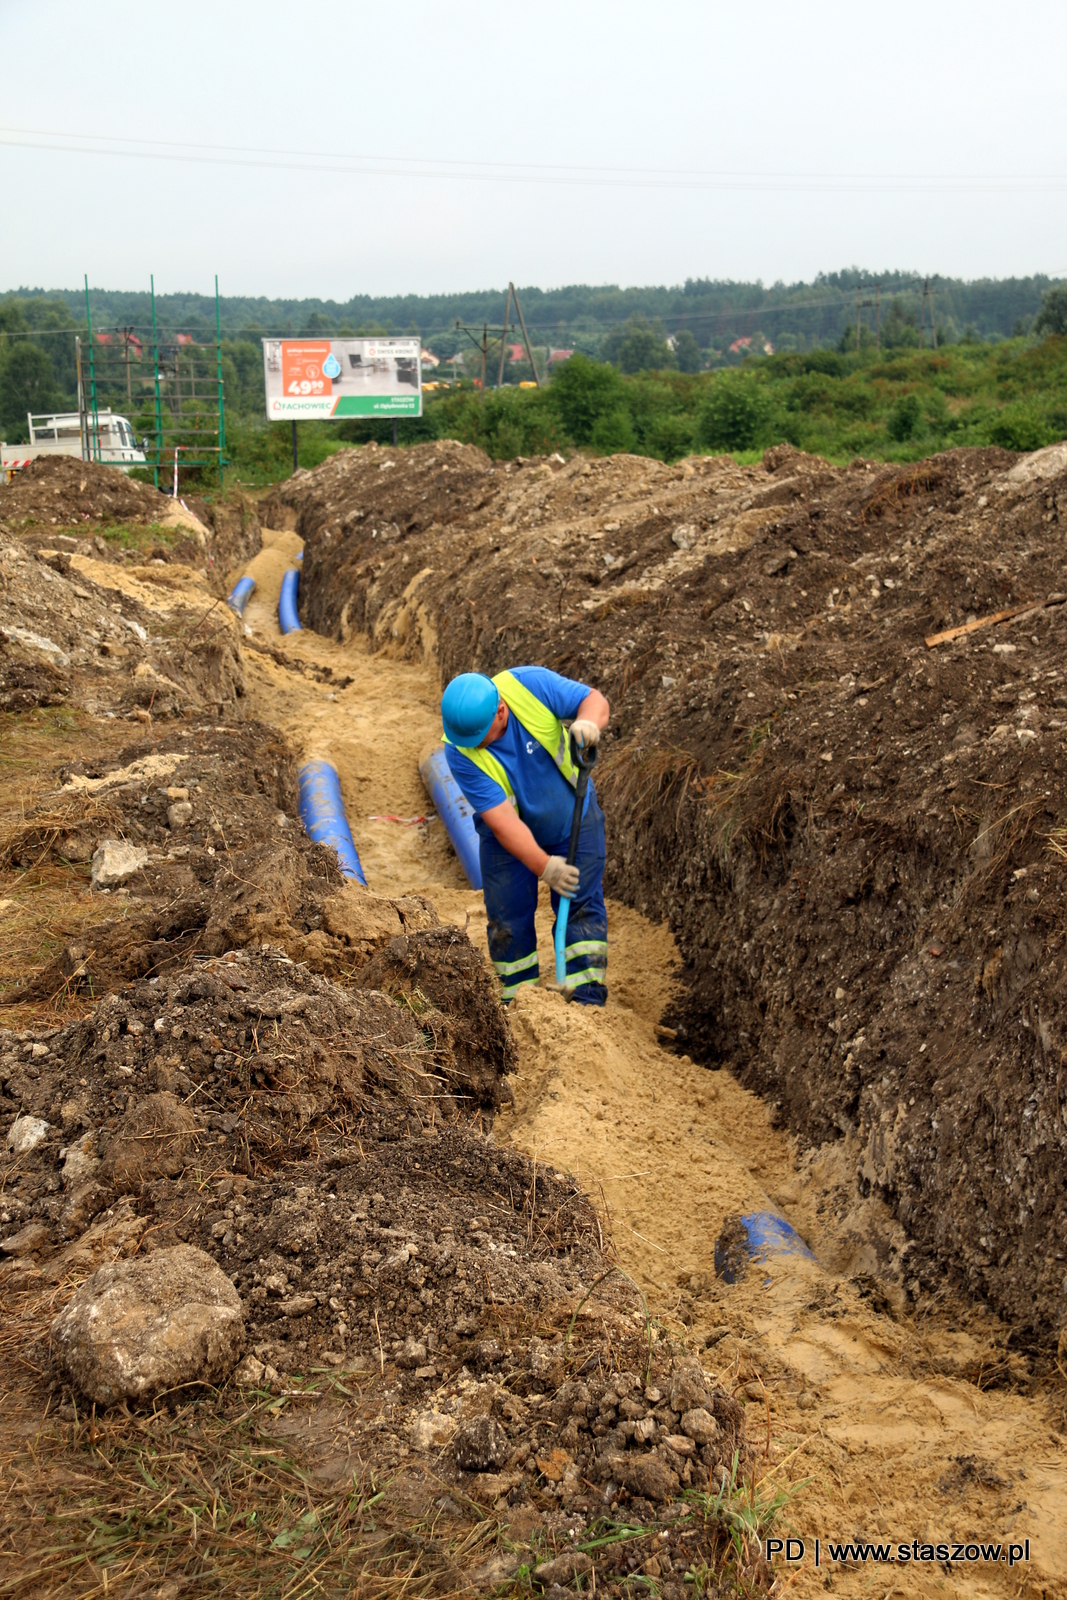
(288, 620)
(322, 811)
(240, 595)
(454, 812)
(560, 940)
(769, 1237)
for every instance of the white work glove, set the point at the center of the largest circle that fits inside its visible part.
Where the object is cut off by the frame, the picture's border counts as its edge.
(585, 733)
(559, 876)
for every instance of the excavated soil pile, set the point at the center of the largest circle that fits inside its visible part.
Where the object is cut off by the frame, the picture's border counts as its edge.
(858, 840)
(81, 498)
(315, 1142)
(79, 630)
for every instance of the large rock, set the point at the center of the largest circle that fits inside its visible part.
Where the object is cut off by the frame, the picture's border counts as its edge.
(115, 860)
(25, 1134)
(137, 1329)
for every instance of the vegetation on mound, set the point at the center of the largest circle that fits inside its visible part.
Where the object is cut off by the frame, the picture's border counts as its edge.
(899, 405)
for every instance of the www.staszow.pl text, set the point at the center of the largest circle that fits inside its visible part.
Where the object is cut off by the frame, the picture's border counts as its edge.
(829, 1553)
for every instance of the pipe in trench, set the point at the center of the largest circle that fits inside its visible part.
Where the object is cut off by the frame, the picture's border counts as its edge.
(240, 595)
(322, 811)
(288, 620)
(453, 809)
(759, 1236)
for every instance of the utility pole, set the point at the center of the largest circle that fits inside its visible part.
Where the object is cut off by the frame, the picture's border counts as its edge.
(482, 344)
(878, 318)
(525, 335)
(126, 336)
(859, 303)
(928, 295)
(503, 346)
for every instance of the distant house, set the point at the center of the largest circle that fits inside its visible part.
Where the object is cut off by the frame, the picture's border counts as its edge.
(559, 355)
(741, 345)
(184, 338)
(429, 359)
(516, 352)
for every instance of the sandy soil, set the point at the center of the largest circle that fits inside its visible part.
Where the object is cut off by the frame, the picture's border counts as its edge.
(896, 1426)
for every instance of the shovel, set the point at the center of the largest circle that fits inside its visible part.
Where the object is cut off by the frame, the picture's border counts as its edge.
(586, 760)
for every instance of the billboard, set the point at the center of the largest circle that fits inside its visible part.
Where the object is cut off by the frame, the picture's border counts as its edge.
(334, 378)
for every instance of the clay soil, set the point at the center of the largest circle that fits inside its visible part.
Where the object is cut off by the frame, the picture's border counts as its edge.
(836, 868)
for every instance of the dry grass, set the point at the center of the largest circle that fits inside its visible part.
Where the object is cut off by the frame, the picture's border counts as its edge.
(749, 802)
(205, 1502)
(901, 486)
(211, 1497)
(1056, 844)
(640, 781)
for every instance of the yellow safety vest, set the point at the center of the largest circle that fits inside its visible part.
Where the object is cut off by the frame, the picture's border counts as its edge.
(542, 725)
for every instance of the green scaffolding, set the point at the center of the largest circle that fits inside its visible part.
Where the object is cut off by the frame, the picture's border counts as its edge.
(177, 411)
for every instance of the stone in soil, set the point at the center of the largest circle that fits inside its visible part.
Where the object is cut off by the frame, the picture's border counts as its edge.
(139, 1329)
(115, 860)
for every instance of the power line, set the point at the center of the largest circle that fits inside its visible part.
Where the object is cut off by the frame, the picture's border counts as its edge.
(348, 164)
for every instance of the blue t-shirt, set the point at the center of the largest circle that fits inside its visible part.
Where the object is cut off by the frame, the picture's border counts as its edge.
(546, 799)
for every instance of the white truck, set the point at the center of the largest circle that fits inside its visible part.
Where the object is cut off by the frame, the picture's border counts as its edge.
(105, 437)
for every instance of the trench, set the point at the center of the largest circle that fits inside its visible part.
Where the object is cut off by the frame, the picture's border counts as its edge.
(899, 1426)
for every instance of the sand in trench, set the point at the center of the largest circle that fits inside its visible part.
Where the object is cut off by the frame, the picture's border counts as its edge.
(893, 1441)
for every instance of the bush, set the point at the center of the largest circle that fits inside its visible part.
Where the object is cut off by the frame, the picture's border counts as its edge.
(905, 418)
(733, 415)
(582, 392)
(1021, 427)
(614, 434)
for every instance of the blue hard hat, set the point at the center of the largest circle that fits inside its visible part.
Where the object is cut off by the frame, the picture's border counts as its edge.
(468, 707)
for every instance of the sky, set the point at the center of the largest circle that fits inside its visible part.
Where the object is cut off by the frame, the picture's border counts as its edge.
(334, 148)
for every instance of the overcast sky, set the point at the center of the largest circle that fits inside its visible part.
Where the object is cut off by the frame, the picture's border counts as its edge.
(550, 143)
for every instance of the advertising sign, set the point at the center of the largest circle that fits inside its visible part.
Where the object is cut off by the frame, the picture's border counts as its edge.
(334, 378)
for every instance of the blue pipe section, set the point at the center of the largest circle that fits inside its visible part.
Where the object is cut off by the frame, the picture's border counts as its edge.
(454, 812)
(288, 620)
(240, 595)
(322, 811)
(767, 1237)
(559, 940)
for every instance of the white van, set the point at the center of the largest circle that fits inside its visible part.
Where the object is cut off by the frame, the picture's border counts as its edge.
(107, 438)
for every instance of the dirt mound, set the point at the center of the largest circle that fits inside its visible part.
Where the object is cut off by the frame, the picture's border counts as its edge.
(60, 489)
(442, 968)
(302, 1135)
(62, 502)
(857, 839)
(80, 631)
(227, 864)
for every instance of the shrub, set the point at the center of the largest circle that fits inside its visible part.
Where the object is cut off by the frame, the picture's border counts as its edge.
(582, 392)
(905, 418)
(732, 416)
(1021, 427)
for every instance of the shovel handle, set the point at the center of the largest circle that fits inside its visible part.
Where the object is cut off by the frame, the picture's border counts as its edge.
(585, 759)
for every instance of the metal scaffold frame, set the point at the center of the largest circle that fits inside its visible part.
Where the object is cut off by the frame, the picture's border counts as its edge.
(177, 430)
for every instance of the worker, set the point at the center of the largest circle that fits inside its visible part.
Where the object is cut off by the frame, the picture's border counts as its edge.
(508, 751)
